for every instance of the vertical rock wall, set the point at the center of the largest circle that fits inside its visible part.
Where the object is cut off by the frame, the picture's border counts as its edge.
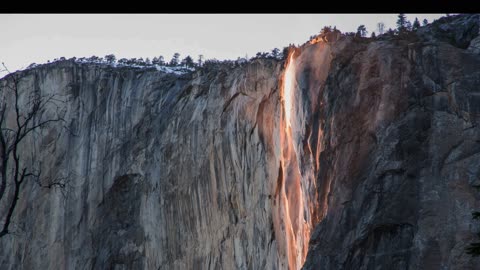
(361, 152)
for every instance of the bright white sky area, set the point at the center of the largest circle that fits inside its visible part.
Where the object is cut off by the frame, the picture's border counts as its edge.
(36, 38)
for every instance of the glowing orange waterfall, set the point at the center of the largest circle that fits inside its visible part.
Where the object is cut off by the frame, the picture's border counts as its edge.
(297, 206)
(288, 89)
(292, 228)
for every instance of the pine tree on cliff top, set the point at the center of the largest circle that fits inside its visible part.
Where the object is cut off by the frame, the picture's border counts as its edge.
(401, 22)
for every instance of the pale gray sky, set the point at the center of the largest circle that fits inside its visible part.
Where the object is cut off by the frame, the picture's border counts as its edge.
(36, 38)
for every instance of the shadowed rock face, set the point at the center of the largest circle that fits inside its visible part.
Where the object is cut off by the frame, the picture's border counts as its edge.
(374, 164)
(401, 152)
(119, 235)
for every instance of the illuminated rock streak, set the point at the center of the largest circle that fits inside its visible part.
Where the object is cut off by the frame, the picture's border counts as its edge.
(296, 205)
(291, 228)
(288, 88)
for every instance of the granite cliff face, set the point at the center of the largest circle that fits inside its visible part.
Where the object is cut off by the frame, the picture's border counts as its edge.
(400, 152)
(360, 153)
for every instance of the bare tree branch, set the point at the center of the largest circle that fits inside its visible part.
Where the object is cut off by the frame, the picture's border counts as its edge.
(28, 118)
(3, 155)
(11, 209)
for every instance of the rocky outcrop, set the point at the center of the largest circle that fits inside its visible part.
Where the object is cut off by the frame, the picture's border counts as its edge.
(361, 152)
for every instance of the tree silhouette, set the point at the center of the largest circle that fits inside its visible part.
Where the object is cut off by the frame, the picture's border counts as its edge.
(362, 31)
(200, 60)
(285, 52)
(326, 29)
(140, 61)
(275, 53)
(29, 116)
(408, 26)
(401, 23)
(123, 61)
(110, 58)
(175, 59)
(161, 60)
(416, 24)
(188, 61)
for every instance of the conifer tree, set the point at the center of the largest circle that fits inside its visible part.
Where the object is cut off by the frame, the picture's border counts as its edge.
(401, 23)
(416, 24)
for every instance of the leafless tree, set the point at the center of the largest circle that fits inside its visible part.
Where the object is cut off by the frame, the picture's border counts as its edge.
(21, 116)
(381, 28)
(200, 60)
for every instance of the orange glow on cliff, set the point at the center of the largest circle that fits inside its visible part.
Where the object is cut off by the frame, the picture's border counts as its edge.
(296, 206)
(292, 227)
(316, 40)
(288, 88)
